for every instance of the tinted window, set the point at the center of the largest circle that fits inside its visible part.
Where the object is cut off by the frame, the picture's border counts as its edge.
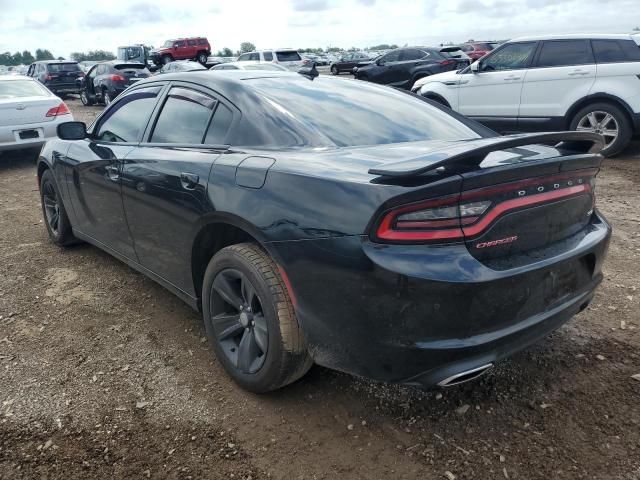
(305, 113)
(511, 57)
(191, 43)
(412, 54)
(391, 56)
(184, 117)
(607, 51)
(255, 56)
(63, 67)
(202, 41)
(219, 125)
(288, 56)
(180, 43)
(242, 57)
(268, 56)
(565, 52)
(631, 50)
(466, 48)
(127, 117)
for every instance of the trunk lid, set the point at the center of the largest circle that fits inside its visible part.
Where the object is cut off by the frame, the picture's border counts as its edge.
(63, 73)
(132, 73)
(26, 110)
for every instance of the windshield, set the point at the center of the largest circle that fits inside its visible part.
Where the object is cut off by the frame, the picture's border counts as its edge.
(168, 43)
(21, 88)
(376, 114)
(63, 67)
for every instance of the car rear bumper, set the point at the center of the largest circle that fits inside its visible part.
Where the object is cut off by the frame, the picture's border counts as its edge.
(10, 136)
(64, 87)
(419, 314)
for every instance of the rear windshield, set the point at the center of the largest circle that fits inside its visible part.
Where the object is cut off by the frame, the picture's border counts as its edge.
(288, 56)
(63, 67)
(375, 114)
(21, 88)
(264, 66)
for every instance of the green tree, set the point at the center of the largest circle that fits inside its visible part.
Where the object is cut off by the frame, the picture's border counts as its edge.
(6, 59)
(93, 55)
(44, 54)
(27, 58)
(225, 52)
(333, 49)
(247, 47)
(17, 58)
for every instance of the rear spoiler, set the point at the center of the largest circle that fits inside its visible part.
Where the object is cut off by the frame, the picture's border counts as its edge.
(473, 152)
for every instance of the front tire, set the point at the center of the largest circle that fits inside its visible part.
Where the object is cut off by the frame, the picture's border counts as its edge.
(54, 213)
(334, 70)
(608, 120)
(166, 59)
(106, 97)
(84, 98)
(250, 321)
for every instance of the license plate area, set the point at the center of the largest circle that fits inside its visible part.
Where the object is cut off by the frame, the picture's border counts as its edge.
(28, 134)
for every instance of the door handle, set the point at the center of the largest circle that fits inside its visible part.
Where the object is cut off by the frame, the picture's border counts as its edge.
(189, 181)
(578, 72)
(508, 79)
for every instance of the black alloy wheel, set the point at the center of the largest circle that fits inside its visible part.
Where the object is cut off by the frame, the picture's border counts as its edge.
(51, 207)
(238, 320)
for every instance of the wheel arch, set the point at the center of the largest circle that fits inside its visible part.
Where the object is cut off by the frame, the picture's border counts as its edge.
(41, 168)
(436, 97)
(600, 97)
(214, 233)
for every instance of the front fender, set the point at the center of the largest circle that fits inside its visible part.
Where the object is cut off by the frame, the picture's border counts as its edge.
(447, 92)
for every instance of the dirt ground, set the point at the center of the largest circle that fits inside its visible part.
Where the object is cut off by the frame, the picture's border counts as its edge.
(103, 374)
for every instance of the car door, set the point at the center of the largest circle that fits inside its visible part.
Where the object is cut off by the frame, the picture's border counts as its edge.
(191, 49)
(384, 71)
(91, 78)
(95, 166)
(492, 94)
(180, 50)
(164, 180)
(562, 73)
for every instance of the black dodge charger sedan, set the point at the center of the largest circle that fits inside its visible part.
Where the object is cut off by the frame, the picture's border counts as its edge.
(321, 220)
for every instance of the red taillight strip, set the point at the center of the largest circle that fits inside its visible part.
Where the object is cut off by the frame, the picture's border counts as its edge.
(454, 222)
(386, 233)
(504, 207)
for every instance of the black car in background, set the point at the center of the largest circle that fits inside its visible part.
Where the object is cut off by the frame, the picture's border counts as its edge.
(181, 66)
(59, 76)
(347, 62)
(414, 246)
(403, 66)
(106, 80)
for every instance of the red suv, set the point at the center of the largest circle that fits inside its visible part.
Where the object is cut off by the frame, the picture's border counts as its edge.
(476, 50)
(193, 48)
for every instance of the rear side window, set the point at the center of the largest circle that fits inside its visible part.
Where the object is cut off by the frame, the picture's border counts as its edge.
(126, 119)
(255, 56)
(191, 43)
(243, 57)
(559, 53)
(268, 56)
(608, 51)
(631, 50)
(219, 126)
(202, 41)
(288, 56)
(412, 54)
(184, 117)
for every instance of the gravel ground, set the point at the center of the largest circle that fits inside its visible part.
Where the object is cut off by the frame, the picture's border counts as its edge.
(103, 374)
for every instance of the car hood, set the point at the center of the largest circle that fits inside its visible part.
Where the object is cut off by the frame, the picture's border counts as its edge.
(438, 77)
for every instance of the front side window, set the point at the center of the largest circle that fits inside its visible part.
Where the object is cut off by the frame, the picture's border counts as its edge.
(560, 53)
(125, 120)
(180, 43)
(391, 57)
(511, 57)
(184, 117)
(255, 56)
(191, 43)
(243, 57)
(268, 56)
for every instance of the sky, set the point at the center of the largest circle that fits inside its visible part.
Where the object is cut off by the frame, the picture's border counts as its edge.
(65, 26)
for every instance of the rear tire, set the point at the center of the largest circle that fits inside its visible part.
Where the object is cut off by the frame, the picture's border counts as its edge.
(334, 70)
(606, 119)
(250, 321)
(54, 213)
(202, 58)
(106, 97)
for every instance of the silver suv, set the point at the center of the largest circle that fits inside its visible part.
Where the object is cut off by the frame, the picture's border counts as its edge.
(287, 57)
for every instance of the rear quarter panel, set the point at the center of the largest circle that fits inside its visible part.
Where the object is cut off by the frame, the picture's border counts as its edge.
(620, 80)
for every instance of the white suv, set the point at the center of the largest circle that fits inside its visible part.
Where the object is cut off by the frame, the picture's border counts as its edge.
(287, 57)
(564, 82)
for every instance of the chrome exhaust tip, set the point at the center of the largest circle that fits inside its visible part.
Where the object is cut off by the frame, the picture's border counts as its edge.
(465, 376)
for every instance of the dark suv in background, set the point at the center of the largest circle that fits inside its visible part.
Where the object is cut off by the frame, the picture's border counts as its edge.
(106, 80)
(403, 66)
(193, 48)
(59, 76)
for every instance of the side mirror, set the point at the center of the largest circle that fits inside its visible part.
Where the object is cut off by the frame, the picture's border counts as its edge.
(72, 130)
(475, 67)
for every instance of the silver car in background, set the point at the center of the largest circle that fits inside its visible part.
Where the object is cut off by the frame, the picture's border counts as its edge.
(29, 113)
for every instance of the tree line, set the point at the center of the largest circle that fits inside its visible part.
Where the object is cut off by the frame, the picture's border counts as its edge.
(246, 47)
(25, 57)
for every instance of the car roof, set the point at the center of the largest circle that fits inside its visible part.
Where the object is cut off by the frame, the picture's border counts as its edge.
(55, 61)
(569, 36)
(16, 77)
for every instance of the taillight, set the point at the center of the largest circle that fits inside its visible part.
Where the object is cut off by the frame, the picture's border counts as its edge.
(61, 109)
(117, 78)
(446, 63)
(470, 213)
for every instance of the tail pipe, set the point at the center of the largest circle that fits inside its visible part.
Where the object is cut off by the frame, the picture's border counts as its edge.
(465, 376)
